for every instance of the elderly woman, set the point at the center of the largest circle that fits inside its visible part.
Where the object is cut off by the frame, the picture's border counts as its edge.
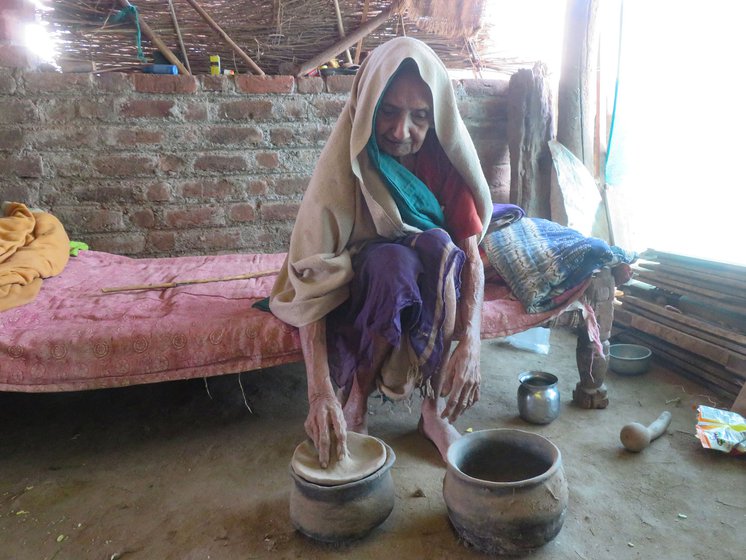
(383, 270)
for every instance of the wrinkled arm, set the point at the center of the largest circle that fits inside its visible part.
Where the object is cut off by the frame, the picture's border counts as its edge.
(462, 373)
(325, 416)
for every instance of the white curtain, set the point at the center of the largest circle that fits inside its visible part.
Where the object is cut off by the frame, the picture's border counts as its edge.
(676, 167)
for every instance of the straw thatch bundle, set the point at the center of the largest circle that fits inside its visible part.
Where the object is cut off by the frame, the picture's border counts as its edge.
(276, 34)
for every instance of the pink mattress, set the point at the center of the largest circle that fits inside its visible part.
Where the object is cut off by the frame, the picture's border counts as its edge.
(73, 336)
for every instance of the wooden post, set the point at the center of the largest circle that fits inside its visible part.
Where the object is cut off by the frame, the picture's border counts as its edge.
(348, 41)
(576, 111)
(363, 19)
(178, 34)
(160, 45)
(341, 27)
(226, 38)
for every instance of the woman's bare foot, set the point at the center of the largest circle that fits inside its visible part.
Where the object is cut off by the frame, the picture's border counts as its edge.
(355, 411)
(438, 430)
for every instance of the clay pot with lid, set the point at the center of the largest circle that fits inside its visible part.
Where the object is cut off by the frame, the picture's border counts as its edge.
(505, 490)
(343, 512)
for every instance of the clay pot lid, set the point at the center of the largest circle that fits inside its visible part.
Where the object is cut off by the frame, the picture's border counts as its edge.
(365, 455)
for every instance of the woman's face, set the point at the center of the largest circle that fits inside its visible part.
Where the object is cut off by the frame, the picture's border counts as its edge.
(404, 115)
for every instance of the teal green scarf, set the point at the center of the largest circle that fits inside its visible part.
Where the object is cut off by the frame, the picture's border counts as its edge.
(416, 203)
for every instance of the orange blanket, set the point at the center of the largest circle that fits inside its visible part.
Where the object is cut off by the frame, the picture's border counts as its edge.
(33, 246)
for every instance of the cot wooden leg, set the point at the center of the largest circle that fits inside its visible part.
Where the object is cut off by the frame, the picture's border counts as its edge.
(590, 392)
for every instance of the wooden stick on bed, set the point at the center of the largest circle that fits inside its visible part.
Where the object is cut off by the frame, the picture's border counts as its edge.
(185, 282)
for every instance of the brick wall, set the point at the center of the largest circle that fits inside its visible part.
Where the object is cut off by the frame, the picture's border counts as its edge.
(153, 165)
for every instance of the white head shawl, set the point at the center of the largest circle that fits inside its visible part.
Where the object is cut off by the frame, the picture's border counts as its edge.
(347, 203)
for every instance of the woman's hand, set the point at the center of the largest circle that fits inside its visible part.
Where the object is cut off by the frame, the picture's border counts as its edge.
(325, 424)
(462, 376)
(462, 379)
(326, 427)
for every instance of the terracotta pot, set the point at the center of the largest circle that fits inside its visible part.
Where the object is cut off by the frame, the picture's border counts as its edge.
(344, 512)
(505, 490)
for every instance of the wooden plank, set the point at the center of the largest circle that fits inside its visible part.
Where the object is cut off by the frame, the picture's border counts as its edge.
(705, 377)
(733, 288)
(696, 327)
(659, 278)
(693, 262)
(696, 345)
(728, 278)
(681, 288)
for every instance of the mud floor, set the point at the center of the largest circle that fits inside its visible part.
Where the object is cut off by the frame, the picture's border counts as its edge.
(169, 471)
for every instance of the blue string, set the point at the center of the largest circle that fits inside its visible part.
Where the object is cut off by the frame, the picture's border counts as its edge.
(131, 10)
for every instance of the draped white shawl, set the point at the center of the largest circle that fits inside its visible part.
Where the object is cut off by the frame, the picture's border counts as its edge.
(347, 203)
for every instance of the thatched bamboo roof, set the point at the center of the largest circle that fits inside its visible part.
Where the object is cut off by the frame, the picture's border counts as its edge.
(276, 34)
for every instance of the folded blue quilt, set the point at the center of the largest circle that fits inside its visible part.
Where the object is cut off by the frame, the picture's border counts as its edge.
(540, 260)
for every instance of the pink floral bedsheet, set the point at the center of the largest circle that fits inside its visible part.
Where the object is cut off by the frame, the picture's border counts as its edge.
(74, 337)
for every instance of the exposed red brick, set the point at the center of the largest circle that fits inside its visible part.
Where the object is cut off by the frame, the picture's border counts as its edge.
(241, 212)
(219, 189)
(329, 108)
(158, 192)
(208, 241)
(29, 166)
(299, 136)
(15, 56)
(135, 136)
(339, 84)
(290, 185)
(293, 109)
(264, 84)
(246, 109)
(218, 163)
(95, 109)
(113, 82)
(60, 138)
(144, 218)
(169, 163)
(54, 82)
(81, 218)
(156, 83)
(7, 84)
(214, 83)
(163, 241)
(256, 187)
(233, 135)
(11, 138)
(17, 111)
(125, 166)
(268, 160)
(122, 243)
(138, 108)
(313, 84)
(116, 191)
(194, 111)
(194, 216)
(276, 211)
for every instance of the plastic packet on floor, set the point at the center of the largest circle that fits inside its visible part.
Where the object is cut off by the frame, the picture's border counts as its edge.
(721, 430)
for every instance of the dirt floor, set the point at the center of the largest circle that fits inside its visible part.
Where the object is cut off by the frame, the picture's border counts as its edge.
(167, 472)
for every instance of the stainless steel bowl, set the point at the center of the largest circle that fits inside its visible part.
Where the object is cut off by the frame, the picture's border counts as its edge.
(629, 359)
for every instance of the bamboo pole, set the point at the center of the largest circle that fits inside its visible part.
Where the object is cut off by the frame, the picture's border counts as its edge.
(341, 27)
(219, 30)
(160, 45)
(348, 41)
(178, 34)
(363, 19)
(186, 282)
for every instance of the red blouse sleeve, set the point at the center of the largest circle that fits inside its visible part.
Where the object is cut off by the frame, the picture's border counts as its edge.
(435, 170)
